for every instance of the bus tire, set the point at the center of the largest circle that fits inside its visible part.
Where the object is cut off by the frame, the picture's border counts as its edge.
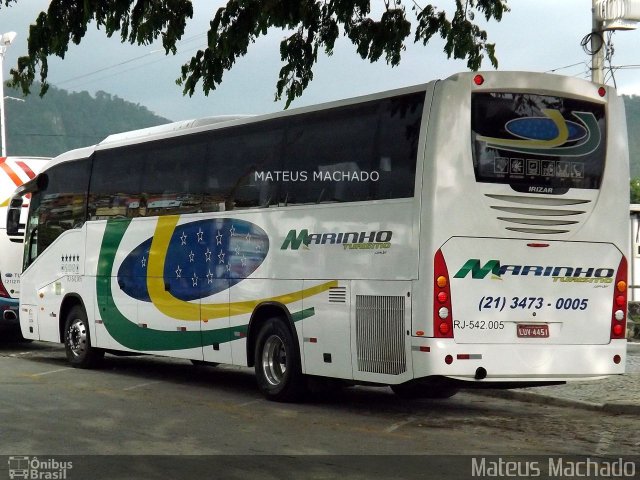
(277, 363)
(77, 340)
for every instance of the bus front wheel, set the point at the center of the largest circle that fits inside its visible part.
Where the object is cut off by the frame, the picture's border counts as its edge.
(77, 340)
(277, 363)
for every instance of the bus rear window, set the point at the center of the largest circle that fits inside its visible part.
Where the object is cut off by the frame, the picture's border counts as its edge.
(537, 143)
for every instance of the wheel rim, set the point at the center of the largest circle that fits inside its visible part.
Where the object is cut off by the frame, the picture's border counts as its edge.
(77, 338)
(274, 360)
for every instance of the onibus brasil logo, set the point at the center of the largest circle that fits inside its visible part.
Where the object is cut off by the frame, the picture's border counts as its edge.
(38, 468)
(498, 271)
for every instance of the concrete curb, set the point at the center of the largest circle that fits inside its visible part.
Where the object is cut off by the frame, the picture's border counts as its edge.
(531, 397)
(621, 408)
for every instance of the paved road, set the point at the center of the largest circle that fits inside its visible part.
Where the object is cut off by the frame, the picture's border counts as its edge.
(156, 406)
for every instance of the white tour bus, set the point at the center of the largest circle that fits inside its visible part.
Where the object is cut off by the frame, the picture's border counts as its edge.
(15, 171)
(466, 232)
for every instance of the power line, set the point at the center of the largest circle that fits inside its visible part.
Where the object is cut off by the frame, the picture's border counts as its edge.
(108, 68)
(585, 43)
(130, 60)
(565, 67)
(125, 71)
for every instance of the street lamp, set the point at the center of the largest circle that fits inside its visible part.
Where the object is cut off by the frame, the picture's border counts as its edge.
(5, 41)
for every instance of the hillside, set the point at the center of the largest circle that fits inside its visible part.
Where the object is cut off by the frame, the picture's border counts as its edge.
(62, 121)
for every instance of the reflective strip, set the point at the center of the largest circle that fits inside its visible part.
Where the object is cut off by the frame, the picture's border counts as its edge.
(469, 356)
(419, 348)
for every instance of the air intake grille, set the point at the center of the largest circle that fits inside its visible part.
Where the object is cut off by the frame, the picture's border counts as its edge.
(338, 295)
(380, 335)
(540, 215)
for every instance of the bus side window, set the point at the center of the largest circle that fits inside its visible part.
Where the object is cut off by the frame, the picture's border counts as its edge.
(63, 203)
(355, 153)
(245, 166)
(173, 180)
(398, 146)
(327, 152)
(115, 184)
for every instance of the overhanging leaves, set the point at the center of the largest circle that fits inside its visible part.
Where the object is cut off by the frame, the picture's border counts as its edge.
(309, 26)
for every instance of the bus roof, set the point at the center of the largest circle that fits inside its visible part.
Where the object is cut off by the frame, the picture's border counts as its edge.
(168, 128)
(210, 123)
(202, 124)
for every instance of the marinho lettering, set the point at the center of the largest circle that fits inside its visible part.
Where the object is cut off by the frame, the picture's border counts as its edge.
(474, 267)
(349, 240)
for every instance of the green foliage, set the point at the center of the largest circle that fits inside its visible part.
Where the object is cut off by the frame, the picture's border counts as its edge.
(463, 38)
(635, 190)
(632, 109)
(139, 21)
(311, 25)
(62, 121)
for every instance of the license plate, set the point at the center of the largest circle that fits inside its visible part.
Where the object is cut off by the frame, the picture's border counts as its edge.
(533, 331)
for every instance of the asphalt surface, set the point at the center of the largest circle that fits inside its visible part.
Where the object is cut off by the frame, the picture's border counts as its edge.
(150, 417)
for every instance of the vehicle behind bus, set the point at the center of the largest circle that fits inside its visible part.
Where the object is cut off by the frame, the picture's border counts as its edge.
(15, 171)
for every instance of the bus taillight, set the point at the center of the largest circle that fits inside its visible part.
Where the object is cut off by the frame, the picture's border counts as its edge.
(619, 310)
(442, 313)
(3, 292)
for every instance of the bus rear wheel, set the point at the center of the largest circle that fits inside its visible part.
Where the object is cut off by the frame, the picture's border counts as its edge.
(277, 363)
(77, 340)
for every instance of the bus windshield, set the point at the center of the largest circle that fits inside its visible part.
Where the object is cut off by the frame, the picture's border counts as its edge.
(546, 142)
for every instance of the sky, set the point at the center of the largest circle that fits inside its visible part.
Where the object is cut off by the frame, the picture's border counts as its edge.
(541, 36)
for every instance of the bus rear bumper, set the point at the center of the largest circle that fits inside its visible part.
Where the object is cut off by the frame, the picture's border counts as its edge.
(493, 364)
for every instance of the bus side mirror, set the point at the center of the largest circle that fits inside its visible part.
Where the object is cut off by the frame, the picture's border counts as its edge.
(14, 227)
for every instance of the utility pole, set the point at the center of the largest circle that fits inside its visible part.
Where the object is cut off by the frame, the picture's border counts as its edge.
(597, 44)
(609, 15)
